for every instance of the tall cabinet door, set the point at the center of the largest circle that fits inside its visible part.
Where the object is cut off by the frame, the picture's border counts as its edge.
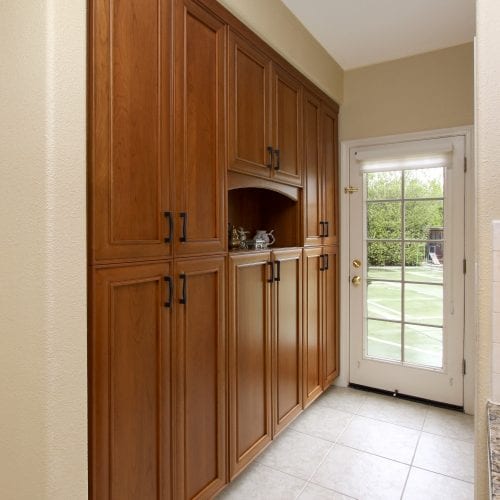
(129, 120)
(313, 326)
(313, 172)
(200, 378)
(199, 124)
(249, 108)
(330, 317)
(330, 173)
(130, 441)
(249, 357)
(287, 128)
(287, 337)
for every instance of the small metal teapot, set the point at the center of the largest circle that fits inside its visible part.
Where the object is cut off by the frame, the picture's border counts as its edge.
(265, 238)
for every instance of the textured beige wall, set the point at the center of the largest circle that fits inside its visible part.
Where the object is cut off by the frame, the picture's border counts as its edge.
(275, 24)
(488, 209)
(43, 390)
(424, 92)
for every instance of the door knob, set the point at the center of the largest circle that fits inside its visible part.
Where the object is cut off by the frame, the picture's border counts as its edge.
(356, 280)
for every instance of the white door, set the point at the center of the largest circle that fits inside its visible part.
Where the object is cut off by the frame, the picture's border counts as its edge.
(407, 268)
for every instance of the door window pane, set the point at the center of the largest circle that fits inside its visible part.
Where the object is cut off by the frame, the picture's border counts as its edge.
(424, 183)
(383, 340)
(424, 262)
(424, 304)
(423, 217)
(384, 300)
(384, 220)
(383, 185)
(384, 260)
(424, 345)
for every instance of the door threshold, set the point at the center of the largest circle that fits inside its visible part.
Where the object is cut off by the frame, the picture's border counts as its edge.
(407, 397)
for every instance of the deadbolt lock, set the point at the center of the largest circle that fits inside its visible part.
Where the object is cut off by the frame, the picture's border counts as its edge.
(356, 280)
(356, 263)
(350, 190)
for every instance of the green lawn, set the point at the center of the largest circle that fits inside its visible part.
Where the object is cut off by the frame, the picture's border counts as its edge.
(423, 304)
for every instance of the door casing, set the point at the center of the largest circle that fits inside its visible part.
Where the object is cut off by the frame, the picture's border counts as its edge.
(469, 348)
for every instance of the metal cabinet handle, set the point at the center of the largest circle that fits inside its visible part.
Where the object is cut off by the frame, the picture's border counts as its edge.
(168, 216)
(327, 225)
(183, 216)
(270, 153)
(170, 283)
(322, 262)
(322, 231)
(327, 259)
(183, 299)
(277, 164)
(278, 271)
(271, 269)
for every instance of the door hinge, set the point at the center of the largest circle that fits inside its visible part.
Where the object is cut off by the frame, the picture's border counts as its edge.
(465, 163)
(465, 266)
(350, 190)
(464, 367)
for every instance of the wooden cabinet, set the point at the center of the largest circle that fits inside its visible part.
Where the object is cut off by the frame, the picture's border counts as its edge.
(329, 131)
(180, 92)
(265, 349)
(250, 426)
(313, 327)
(320, 186)
(287, 127)
(140, 205)
(287, 337)
(200, 127)
(321, 344)
(265, 115)
(129, 174)
(330, 301)
(200, 378)
(130, 360)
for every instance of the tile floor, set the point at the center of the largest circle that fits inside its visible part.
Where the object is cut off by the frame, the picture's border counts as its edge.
(354, 444)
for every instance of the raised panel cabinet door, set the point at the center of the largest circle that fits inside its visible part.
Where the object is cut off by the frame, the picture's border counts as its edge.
(249, 112)
(130, 384)
(129, 113)
(287, 128)
(313, 326)
(313, 172)
(287, 337)
(200, 128)
(329, 134)
(249, 357)
(200, 378)
(330, 317)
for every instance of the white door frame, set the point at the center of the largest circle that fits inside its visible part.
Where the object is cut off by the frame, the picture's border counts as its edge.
(470, 210)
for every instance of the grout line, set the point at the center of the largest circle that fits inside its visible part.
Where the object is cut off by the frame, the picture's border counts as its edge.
(373, 454)
(449, 437)
(442, 474)
(411, 463)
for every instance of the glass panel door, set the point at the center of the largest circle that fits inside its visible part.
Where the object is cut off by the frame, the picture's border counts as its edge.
(406, 251)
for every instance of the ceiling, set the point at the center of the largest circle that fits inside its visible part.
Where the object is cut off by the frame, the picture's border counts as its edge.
(362, 32)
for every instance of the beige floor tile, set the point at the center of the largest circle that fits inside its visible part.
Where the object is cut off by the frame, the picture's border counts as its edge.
(381, 438)
(361, 475)
(315, 492)
(394, 411)
(450, 457)
(295, 453)
(342, 398)
(259, 482)
(430, 486)
(449, 423)
(322, 422)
